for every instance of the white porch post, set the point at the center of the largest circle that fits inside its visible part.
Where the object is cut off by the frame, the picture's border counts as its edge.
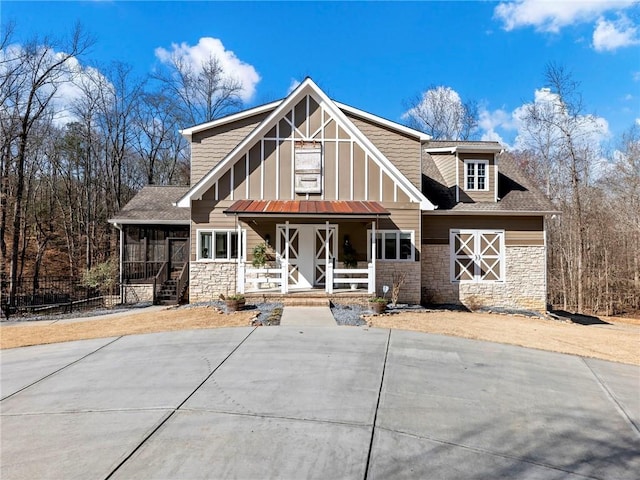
(121, 276)
(241, 264)
(285, 267)
(372, 268)
(327, 288)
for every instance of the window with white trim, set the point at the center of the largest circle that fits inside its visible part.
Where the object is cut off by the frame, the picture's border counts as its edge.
(477, 255)
(221, 245)
(392, 245)
(476, 175)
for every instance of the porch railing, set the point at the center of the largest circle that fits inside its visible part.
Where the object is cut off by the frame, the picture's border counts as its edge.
(271, 275)
(140, 270)
(161, 277)
(182, 281)
(351, 275)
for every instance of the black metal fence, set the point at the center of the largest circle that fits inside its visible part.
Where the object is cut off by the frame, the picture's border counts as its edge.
(50, 295)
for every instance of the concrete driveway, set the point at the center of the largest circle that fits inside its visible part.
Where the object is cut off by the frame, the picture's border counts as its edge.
(286, 402)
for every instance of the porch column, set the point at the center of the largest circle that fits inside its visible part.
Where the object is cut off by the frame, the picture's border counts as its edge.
(285, 278)
(240, 260)
(121, 276)
(327, 288)
(374, 254)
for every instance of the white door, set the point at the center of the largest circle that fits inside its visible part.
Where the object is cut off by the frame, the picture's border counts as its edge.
(301, 253)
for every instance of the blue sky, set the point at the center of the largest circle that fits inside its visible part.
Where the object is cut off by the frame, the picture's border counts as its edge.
(377, 55)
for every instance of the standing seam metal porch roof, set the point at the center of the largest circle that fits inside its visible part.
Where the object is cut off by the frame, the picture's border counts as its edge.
(308, 207)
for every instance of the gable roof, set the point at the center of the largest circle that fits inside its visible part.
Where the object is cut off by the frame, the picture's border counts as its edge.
(307, 87)
(154, 205)
(517, 194)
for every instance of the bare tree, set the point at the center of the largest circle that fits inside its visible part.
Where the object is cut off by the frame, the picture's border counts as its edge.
(440, 113)
(158, 142)
(36, 70)
(202, 92)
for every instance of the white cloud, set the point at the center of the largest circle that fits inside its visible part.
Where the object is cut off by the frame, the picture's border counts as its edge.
(637, 121)
(552, 15)
(293, 85)
(611, 35)
(68, 82)
(489, 121)
(500, 125)
(232, 66)
(636, 76)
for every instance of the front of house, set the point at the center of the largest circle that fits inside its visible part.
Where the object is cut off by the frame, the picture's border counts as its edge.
(340, 199)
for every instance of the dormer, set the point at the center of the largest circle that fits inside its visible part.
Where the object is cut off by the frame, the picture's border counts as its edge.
(469, 170)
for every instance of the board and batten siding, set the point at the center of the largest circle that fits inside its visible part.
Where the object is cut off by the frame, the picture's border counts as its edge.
(210, 146)
(265, 171)
(519, 230)
(403, 151)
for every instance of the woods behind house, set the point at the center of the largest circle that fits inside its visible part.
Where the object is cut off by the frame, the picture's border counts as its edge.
(78, 141)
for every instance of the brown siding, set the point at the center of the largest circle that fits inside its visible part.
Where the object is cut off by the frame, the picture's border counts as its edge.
(374, 180)
(447, 166)
(518, 230)
(207, 213)
(344, 165)
(477, 196)
(211, 146)
(269, 169)
(403, 151)
(359, 185)
(285, 170)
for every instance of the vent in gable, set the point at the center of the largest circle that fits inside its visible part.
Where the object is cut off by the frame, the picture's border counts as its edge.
(308, 168)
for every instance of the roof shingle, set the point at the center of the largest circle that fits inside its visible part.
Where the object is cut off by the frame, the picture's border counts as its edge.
(154, 204)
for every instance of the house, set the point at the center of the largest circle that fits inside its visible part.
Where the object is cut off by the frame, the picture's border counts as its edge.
(324, 186)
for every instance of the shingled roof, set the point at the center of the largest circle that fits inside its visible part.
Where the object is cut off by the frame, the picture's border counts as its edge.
(154, 205)
(516, 192)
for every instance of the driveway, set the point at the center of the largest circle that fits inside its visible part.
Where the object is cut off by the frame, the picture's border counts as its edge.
(302, 402)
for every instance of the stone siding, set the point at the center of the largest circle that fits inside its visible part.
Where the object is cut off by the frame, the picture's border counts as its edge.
(207, 280)
(410, 291)
(137, 292)
(524, 286)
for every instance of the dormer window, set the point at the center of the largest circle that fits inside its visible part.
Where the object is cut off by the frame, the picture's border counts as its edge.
(476, 175)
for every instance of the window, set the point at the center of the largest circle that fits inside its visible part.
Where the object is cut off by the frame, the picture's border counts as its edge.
(218, 244)
(392, 245)
(477, 255)
(476, 175)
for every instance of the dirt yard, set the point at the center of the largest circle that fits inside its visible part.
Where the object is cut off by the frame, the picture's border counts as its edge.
(12, 336)
(618, 342)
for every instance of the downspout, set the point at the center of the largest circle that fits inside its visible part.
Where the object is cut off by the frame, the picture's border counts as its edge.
(120, 276)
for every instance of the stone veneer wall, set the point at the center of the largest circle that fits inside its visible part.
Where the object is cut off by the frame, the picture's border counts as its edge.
(207, 280)
(137, 292)
(524, 286)
(410, 291)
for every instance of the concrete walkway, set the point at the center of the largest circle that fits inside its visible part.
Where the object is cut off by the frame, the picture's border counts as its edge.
(292, 403)
(307, 317)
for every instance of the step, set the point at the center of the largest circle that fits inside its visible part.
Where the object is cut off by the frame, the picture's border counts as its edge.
(306, 302)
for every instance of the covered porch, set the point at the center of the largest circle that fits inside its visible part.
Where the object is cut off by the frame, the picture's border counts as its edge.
(327, 246)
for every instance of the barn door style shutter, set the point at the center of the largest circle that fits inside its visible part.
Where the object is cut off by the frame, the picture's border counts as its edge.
(477, 255)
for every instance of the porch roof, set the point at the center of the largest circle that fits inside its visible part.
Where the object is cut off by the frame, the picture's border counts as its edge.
(332, 208)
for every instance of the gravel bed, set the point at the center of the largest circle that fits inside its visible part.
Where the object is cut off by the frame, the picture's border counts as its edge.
(349, 314)
(268, 313)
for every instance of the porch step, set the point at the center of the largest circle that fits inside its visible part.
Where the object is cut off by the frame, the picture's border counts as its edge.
(306, 301)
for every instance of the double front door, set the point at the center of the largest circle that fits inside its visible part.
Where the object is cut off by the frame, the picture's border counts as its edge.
(307, 247)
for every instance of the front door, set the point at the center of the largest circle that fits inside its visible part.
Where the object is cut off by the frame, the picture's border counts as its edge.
(178, 253)
(307, 259)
